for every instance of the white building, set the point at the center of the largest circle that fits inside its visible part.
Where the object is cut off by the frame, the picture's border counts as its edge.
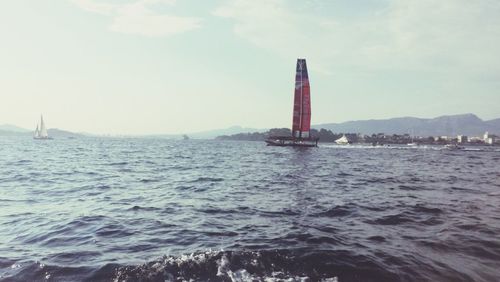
(486, 136)
(462, 139)
(475, 139)
(489, 139)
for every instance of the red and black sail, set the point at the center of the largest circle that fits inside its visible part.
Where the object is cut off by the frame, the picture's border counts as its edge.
(302, 102)
(301, 127)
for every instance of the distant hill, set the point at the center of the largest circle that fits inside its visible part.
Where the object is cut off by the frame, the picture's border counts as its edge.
(466, 124)
(13, 128)
(494, 123)
(256, 136)
(209, 134)
(11, 133)
(59, 133)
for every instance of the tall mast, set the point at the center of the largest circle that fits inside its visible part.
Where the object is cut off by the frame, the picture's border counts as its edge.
(306, 102)
(297, 103)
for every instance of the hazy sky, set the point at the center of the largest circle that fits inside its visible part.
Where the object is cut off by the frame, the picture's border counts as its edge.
(167, 66)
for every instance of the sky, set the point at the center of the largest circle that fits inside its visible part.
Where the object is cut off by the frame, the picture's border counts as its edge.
(179, 66)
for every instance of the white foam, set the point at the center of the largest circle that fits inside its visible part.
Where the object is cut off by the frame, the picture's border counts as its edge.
(222, 266)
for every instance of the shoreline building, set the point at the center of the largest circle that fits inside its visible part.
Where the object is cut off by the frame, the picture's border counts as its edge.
(489, 139)
(462, 139)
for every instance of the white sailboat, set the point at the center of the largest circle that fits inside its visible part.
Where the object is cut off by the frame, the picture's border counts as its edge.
(412, 143)
(42, 132)
(342, 140)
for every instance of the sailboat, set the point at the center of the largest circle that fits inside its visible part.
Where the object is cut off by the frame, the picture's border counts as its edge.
(41, 132)
(301, 122)
(412, 143)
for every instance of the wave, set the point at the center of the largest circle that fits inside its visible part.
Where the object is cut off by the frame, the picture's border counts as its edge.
(262, 265)
(207, 179)
(273, 265)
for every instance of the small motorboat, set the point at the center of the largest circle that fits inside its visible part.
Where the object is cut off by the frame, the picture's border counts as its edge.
(342, 140)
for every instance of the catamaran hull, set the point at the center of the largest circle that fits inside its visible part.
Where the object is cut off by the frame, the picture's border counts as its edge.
(292, 143)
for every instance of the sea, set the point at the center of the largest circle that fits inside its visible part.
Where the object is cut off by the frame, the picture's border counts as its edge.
(137, 209)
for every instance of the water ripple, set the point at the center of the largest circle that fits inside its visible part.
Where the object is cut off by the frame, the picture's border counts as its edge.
(97, 209)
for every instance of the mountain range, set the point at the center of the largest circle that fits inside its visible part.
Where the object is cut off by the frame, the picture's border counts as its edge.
(449, 125)
(13, 128)
(465, 124)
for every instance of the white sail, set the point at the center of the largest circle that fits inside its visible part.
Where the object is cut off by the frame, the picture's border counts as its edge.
(43, 130)
(37, 133)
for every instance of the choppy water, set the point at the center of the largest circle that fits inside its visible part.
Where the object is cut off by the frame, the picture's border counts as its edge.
(143, 209)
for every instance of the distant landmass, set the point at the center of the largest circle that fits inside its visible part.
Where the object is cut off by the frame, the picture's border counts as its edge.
(451, 125)
(59, 133)
(210, 134)
(256, 136)
(466, 124)
(12, 130)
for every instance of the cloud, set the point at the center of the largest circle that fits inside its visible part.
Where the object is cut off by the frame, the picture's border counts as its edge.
(139, 17)
(423, 35)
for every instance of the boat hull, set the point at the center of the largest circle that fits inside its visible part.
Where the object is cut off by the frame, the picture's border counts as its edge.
(292, 142)
(453, 147)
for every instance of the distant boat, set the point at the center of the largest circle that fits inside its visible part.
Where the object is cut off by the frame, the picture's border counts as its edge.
(41, 131)
(342, 140)
(301, 125)
(453, 147)
(412, 143)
